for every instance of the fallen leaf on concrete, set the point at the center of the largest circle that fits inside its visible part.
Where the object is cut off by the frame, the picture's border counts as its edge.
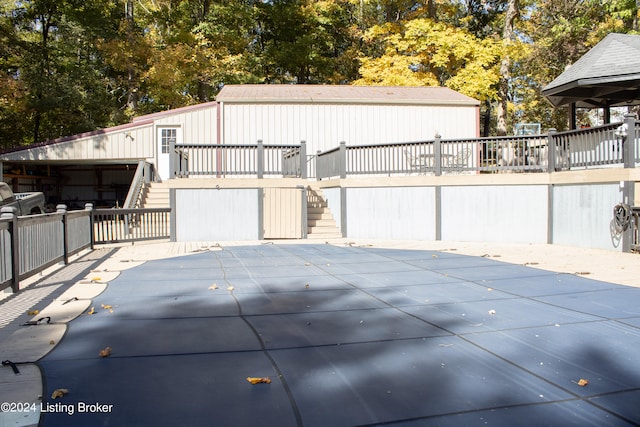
(582, 273)
(59, 393)
(306, 286)
(105, 352)
(261, 380)
(95, 279)
(52, 342)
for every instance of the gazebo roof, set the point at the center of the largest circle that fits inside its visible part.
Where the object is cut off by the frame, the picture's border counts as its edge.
(607, 75)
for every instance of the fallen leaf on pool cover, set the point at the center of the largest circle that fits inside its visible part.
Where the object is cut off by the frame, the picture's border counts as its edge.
(92, 311)
(59, 393)
(107, 307)
(262, 380)
(105, 352)
(33, 312)
(213, 287)
(230, 288)
(582, 382)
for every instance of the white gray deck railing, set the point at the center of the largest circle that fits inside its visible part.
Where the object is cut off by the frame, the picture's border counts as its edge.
(238, 160)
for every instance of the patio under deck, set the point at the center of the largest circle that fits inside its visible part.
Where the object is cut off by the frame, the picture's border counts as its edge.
(350, 333)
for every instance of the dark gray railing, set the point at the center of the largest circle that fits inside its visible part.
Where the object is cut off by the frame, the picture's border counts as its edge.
(224, 160)
(143, 175)
(332, 163)
(129, 225)
(602, 146)
(596, 146)
(33, 243)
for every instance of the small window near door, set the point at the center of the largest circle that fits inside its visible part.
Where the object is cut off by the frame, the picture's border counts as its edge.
(166, 138)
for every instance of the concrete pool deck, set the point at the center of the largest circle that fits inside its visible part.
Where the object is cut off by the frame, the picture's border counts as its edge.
(73, 289)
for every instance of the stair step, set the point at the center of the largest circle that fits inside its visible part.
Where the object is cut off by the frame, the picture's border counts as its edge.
(322, 230)
(318, 210)
(156, 195)
(321, 222)
(324, 236)
(318, 217)
(317, 204)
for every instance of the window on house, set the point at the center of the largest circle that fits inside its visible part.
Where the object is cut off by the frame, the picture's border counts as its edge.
(166, 138)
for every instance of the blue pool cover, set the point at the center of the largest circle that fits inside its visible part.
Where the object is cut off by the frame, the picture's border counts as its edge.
(348, 336)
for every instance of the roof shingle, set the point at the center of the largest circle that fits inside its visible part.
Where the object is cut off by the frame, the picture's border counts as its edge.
(342, 94)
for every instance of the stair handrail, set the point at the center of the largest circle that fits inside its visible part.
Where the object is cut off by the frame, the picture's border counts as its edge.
(135, 190)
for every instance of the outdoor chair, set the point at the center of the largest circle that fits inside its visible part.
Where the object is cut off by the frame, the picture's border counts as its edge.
(417, 163)
(459, 161)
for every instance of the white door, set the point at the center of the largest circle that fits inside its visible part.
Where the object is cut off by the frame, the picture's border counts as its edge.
(166, 136)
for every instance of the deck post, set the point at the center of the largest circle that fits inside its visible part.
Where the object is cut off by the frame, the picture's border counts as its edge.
(342, 160)
(8, 213)
(551, 151)
(628, 231)
(629, 141)
(303, 159)
(89, 208)
(260, 159)
(172, 158)
(437, 155)
(62, 209)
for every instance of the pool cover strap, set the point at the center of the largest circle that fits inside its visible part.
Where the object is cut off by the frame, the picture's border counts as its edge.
(37, 322)
(14, 366)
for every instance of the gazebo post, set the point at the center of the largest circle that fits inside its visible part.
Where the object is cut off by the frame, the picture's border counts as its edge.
(572, 116)
(607, 114)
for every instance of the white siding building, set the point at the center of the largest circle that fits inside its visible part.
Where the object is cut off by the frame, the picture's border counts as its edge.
(323, 116)
(98, 166)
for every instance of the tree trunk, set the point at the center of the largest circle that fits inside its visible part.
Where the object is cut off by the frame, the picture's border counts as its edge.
(486, 125)
(132, 89)
(431, 10)
(203, 86)
(513, 10)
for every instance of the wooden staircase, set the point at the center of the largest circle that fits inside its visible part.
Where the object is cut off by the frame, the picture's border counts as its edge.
(155, 195)
(320, 222)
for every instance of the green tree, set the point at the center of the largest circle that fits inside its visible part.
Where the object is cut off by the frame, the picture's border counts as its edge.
(51, 64)
(508, 37)
(303, 41)
(424, 52)
(558, 33)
